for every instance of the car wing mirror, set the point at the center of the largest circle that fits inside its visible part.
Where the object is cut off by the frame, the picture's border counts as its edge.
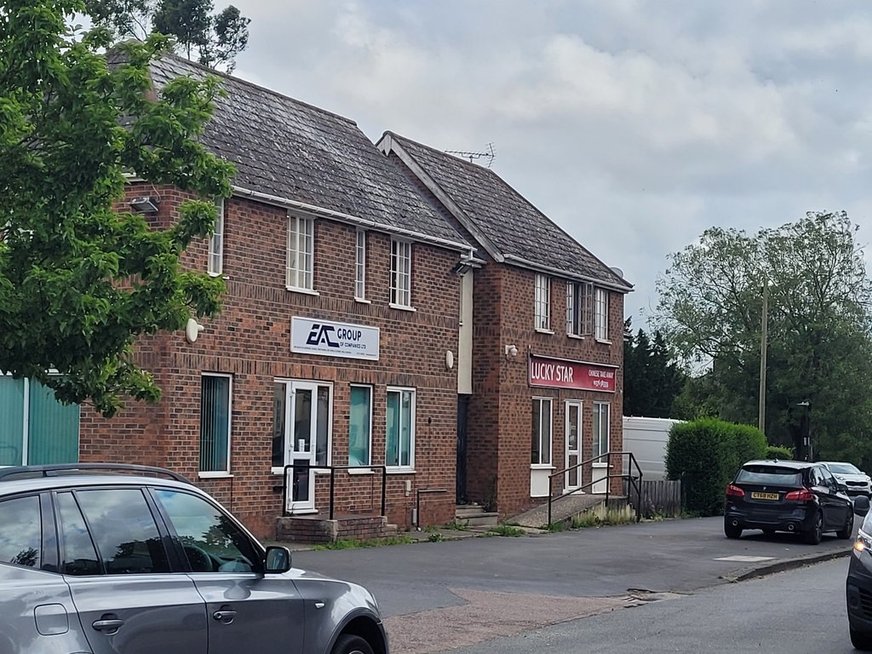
(861, 505)
(277, 560)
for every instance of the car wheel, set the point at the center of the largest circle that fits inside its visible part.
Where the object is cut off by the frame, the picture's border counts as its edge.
(848, 529)
(732, 532)
(350, 644)
(861, 640)
(813, 536)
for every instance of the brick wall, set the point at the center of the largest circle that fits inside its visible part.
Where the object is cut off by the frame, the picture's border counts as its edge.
(250, 340)
(501, 410)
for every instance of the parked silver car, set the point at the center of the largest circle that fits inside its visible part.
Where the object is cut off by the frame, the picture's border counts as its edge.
(106, 559)
(857, 481)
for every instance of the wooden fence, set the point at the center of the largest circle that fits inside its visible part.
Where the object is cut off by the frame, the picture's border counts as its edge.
(659, 498)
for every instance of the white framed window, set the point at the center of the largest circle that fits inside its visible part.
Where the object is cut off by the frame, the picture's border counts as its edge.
(360, 266)
(216, 242)
(600, 428)
(400, 434)
(360, 426)
(401, 273)
(540, 452)
(301, 253)
(579, 314)
(542, 303)
(602, 314)
(216, 390)
(35, 428)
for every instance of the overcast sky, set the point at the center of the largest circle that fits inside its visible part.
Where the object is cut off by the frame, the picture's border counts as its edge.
(632, 124)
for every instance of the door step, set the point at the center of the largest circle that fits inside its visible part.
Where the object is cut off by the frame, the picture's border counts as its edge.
(473, 515)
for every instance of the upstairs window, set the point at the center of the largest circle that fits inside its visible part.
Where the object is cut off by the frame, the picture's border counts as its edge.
(301, 253)
(360, 266)
(216, 242)
(401, 273)
(579, 311)
(542, 303)
(602, 314)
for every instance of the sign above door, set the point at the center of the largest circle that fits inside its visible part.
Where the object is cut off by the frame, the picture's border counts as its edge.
(334, 339)
(562, 373)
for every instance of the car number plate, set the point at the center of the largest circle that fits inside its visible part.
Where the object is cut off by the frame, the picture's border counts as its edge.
(764, 496)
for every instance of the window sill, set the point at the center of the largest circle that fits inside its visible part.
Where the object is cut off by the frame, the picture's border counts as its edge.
(599, 465)
(304, 291)
(215, 274)
(542, 466)
(539, 330)
(214, 475)
(400, 307)
(361, 300)
(604, 341)
(400, 471)
(575, 336)
(361, 471)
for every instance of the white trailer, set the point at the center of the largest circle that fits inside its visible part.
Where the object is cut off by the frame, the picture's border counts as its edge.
(646, 438)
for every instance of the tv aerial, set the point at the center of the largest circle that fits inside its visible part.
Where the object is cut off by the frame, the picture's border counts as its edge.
(473, 156)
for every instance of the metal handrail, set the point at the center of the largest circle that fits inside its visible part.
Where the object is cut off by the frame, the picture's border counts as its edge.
(332, 469)
(634, 480)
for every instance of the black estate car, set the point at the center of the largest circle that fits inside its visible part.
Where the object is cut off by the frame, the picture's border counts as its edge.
(794, 496)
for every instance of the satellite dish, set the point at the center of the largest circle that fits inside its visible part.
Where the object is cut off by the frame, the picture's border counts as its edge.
(617, 271)
(192, 330)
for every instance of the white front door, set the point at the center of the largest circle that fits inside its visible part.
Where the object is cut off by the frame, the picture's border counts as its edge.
(572, 477)
(308, 407)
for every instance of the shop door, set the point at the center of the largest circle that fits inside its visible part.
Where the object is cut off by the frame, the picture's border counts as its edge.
(572, 478)
(302, 425)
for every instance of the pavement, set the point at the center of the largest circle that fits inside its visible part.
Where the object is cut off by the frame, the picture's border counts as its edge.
(437, 596)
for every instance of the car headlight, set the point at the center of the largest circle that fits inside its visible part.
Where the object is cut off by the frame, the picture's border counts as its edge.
(863, 542)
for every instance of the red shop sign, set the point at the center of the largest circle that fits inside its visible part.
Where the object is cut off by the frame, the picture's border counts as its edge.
(558, 373)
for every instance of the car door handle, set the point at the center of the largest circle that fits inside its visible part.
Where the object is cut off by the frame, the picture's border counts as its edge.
(224, 615)
(110, 626)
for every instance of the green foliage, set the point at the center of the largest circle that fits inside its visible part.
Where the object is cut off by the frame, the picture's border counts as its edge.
(506, 530)
(779, 452)
(354, 544)
(214, 39)
(79, 281)
(652, 379)
(705, 455)
(819, 340)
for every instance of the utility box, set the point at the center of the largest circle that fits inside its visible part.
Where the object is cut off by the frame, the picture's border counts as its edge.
(646, 438)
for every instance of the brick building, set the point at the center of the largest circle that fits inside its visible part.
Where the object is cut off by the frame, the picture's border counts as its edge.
(338, 340)
(394, 318)
(547, 340)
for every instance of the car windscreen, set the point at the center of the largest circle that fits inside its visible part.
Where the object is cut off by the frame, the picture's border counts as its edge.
(843, 468)
(769, 475)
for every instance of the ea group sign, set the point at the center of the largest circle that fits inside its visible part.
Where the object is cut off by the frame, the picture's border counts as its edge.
(561, 373)
(334, 339)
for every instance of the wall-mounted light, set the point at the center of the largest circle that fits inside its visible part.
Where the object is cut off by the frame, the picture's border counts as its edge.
(449, 359)
(145, 204)
(511, 351)
(192, 330)
(461, 268)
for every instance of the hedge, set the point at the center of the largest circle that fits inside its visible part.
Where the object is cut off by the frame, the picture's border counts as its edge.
(705, 455)
(779, 452)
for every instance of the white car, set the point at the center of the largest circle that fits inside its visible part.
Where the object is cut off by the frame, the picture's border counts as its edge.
(857, 482)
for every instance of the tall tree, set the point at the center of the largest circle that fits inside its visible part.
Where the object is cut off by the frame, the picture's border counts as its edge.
(652, 379)
(212, 39)
(80, 280)
(819, 345)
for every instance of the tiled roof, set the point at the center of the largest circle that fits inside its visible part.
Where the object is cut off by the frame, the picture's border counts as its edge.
(491, 209)
(285, 148)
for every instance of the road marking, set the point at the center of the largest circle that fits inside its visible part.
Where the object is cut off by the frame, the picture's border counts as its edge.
(745, 559)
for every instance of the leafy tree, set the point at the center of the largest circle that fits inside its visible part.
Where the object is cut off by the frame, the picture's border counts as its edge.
(819, 345)
(213, 39)
(652, 380)
(79, 278)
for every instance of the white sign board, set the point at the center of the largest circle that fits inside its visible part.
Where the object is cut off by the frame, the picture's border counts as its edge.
(334, 339)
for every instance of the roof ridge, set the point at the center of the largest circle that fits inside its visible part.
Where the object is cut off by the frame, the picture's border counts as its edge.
(516, 193)
(245, 82)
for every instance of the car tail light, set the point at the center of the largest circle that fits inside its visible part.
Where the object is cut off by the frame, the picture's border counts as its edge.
(734, 491)
(804, 495)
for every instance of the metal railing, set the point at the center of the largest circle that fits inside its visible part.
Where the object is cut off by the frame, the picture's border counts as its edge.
(634, 481)
(304, 465)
